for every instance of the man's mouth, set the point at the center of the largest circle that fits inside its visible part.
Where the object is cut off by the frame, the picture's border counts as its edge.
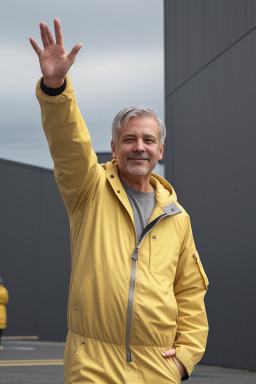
(139, 158)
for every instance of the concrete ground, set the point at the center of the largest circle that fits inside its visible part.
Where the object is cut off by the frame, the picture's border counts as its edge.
(38, 362)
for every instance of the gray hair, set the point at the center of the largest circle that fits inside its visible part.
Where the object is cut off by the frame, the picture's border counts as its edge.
(124, 116)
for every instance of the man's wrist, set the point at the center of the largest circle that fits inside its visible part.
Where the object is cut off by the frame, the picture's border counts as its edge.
(180, 366)
(53, 83)
(53, 91)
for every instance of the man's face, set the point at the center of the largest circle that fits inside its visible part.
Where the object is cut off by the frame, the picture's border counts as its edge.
(138, 149)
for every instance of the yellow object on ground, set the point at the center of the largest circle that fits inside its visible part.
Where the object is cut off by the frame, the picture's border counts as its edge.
(4, 298)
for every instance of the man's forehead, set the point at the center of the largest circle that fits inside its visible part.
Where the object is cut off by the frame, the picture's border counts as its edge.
(139, 120)
(140, 123)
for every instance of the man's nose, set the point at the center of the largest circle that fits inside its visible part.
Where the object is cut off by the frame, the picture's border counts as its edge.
(139, 146)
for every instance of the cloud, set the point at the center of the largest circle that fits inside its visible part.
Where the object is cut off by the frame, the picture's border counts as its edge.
(104, 84)
(97, 23)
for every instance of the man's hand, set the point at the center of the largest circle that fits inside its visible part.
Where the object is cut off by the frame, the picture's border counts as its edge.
(172, 353)
(54, 60)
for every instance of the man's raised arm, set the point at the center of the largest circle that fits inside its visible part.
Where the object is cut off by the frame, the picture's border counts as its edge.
(75, 163)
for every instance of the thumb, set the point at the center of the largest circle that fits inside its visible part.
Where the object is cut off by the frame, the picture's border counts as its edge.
(74, 52)
(171, 352)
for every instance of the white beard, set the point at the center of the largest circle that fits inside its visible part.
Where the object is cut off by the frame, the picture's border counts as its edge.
(137, 170)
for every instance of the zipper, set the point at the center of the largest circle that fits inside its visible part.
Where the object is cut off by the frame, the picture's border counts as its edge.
(130, 301)
(135, 255)
(136, 251)
(201, 270)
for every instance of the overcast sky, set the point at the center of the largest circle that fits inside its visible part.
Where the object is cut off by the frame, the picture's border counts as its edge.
(120, 65)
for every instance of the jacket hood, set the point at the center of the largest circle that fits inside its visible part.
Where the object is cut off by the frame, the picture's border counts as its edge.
(163, 188)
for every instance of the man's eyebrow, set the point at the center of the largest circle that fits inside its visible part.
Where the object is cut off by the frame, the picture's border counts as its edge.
(148, 136)
(128, 135)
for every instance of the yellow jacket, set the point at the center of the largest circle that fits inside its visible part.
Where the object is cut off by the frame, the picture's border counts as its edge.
(4, 298)
(119, 327)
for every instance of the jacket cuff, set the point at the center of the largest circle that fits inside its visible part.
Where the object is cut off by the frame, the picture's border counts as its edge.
(186, 359)
(52, 91)
(67, 93)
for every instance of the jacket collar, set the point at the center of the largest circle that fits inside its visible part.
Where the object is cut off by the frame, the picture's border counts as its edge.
(165, 194)
(114, 181)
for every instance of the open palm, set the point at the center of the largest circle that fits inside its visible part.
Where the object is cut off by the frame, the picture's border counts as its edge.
(54, 60)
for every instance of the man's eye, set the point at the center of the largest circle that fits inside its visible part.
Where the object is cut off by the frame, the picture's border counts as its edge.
(128, 140)
(149, 140)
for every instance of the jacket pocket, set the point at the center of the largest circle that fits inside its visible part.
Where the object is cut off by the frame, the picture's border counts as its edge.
(201, 269)
(175, 367)
(173, 370)
(75, 358)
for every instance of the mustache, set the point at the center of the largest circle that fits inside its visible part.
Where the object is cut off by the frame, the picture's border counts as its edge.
(139, 155)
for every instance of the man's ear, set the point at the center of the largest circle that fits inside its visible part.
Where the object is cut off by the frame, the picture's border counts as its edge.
(113, 149)
(161, 152)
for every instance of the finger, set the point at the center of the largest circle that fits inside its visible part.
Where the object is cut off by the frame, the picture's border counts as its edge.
(44, 37)
(36, 48)
(74, 52)
(58, 32)
(171, 352)
(49, 36)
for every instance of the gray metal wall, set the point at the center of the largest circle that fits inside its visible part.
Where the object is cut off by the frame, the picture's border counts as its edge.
(34, 250)
(210, 67)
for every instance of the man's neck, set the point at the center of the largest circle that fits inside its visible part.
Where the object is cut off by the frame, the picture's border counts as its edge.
(138, 183)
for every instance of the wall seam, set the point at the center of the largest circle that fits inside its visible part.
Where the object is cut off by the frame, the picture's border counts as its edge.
(210, 62)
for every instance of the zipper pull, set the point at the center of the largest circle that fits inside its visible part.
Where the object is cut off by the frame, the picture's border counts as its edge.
(136, 251)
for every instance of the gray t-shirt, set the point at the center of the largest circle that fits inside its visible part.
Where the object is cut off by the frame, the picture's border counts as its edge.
(143, 204)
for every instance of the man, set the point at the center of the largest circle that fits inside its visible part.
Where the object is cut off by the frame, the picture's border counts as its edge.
(136, 303)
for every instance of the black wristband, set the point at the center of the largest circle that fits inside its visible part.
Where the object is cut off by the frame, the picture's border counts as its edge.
(53, 91)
